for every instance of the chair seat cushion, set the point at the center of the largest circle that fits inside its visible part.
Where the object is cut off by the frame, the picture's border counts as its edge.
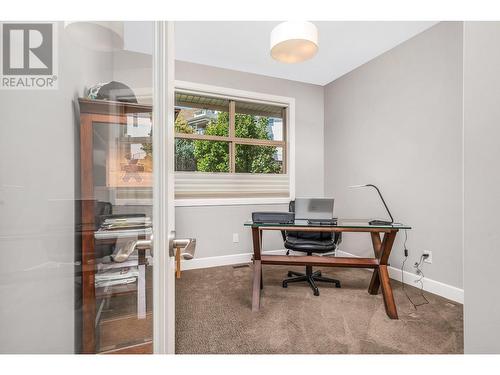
(309, 245)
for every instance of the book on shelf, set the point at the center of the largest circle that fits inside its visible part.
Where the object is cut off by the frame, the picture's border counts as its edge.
(106, 263)
(126, 223)
(124, 233)
(117, 276)
(122, 226)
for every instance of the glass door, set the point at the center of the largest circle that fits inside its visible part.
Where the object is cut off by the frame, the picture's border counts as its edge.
(85, 267)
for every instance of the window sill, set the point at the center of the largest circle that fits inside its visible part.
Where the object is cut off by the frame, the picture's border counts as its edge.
(229, 201)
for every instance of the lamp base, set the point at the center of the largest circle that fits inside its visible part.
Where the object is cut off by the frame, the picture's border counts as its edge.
(380, 222)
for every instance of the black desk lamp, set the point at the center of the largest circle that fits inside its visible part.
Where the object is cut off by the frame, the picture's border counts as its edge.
(377, 222)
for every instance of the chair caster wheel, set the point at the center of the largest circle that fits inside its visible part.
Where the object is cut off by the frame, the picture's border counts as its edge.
(319, 273)
(285, 285)
(337, 285)
(290, 274)
(316, 292)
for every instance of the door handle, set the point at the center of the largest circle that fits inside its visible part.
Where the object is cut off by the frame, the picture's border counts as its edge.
(188, 246)
(144, 244)
(121, 254)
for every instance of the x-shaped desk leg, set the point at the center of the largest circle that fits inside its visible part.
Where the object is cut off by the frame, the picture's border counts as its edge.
(380, 277)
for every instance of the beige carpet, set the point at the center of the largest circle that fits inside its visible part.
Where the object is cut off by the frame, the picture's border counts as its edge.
(213, 315)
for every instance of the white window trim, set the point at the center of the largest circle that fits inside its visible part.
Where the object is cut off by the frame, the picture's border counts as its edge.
(255, 97)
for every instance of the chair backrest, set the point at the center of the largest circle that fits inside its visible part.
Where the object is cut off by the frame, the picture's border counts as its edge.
(318, 236)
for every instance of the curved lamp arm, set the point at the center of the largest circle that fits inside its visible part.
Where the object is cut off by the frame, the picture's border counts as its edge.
(380, 195)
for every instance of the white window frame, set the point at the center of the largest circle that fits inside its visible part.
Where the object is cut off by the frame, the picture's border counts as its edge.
(255, 97)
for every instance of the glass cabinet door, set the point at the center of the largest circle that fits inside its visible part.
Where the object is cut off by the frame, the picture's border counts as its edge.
(116, 180)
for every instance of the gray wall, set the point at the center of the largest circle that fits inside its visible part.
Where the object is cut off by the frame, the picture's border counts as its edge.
(397, 122)
(213, 226)
(37, 192)
(481, 186)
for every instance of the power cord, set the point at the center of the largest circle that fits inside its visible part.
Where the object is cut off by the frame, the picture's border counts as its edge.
(421, 279)
(419, 272)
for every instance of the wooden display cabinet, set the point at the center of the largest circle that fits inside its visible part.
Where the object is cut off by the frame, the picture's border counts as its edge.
(116, 173)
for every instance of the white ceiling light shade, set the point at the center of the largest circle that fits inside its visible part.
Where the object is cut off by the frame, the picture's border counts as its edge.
(294, 41)
(97, 35)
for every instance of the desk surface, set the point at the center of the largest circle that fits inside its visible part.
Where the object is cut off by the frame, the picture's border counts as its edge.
(341, 223)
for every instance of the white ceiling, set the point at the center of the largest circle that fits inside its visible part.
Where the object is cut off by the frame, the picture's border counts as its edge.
(244, 46)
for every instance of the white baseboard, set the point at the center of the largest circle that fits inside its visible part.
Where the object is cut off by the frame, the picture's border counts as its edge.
(432, 286)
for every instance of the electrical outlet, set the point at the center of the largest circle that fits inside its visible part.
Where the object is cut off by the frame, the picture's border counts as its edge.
(429, 258)
(236, 238)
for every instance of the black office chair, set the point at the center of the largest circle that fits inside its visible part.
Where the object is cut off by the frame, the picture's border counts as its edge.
(310, 242)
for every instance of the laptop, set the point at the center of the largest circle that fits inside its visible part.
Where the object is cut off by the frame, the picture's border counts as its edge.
(315, 210)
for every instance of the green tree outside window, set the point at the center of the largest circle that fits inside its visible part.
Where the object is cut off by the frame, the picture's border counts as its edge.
(213, 156)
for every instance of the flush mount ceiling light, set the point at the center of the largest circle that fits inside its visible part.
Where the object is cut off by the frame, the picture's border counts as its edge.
(97, 35)
(294, 41)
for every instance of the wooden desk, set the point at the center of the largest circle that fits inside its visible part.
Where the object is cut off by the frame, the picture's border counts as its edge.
(382, 246)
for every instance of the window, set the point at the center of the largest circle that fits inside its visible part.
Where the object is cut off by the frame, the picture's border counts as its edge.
(229, 147)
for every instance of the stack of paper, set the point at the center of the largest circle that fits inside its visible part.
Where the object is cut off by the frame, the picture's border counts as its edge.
(110, 277)
(126, 223)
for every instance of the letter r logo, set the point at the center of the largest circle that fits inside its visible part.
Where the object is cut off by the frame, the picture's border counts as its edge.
(27, 49)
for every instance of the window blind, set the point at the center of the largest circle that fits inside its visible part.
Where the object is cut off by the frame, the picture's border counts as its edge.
(230, 185)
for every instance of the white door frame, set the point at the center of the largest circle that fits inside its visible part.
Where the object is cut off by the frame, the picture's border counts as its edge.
(163, 189)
